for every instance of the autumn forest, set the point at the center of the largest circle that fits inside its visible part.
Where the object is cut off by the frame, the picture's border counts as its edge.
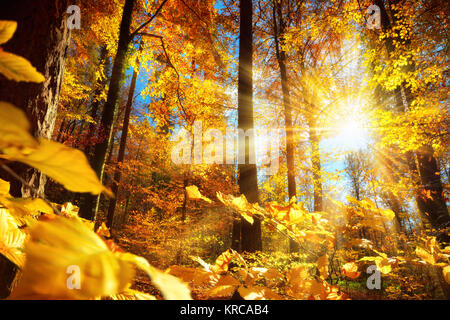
(224, 150)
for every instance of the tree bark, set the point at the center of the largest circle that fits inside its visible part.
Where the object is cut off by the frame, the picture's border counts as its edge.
(279, 30)
(123, 144)
(316, 167)
(248, 181)
(89, 207)
(42, 38)
(103, 60)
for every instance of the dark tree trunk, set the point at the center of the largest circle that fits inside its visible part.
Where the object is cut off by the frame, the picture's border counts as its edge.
(45, 47)
(236, 235)
(434, 207)
(248, 181)
(279, 30)
(123, 144)
(90, 204)
(42, 38)
(103, 60)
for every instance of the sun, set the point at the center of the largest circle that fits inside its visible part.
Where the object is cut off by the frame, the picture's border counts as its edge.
(351, 134)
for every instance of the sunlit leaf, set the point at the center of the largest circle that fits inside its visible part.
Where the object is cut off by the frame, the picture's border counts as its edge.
(57, 250)
(11, 239)
(425, 255)
(65, 165)
(7, 29)
(4, 187)
(171, 287)
(350, 270)
(258, 293)
(14, 67)
(21, 208)
(194, 194)
(14, 128)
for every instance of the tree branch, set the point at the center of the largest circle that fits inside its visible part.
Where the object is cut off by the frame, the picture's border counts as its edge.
(134, 33)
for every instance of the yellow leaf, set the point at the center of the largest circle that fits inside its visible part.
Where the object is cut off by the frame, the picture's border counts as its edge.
(103, 231)
(14, 67)
(65, 165)
(69, 210)
(225, 287)
(62, 248)
(258, 293)
(228, 280)
(198, 277)
(223, 261)
(23, 208)
(425, 255)
(171, 287)
(272, 276)
(4, 187)
(383, 265)
(240, 204)
(194, 194)
(7, 29)
(11, 239)
(388, 214)
(350, 270)
(221, 291)
(14, 128)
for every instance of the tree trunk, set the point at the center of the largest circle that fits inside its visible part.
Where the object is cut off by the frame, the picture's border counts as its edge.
(103, 60)
(279, 29)
(123, 144)
(434, 207)
(236, 235)
(316, 167)
(90, 205)
(248, 181)
(42, 38)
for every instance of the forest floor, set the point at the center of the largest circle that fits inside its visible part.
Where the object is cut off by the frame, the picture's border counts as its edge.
(168, 242)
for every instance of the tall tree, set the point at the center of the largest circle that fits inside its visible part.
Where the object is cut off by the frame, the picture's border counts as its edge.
(355, 169)
(433, 207)
(89, 207)
(279, 26)
(123, 144)
(248, 180)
